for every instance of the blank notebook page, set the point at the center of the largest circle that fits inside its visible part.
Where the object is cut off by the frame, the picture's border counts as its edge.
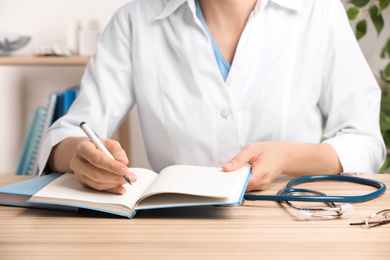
(201, 181)
(68, 187)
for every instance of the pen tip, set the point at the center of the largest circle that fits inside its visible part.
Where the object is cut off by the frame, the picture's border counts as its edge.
(82, 123)
(127, 179)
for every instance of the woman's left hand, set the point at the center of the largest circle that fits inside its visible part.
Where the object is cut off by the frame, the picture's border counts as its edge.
(270, 159)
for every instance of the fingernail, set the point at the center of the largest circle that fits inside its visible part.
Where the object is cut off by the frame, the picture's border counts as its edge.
(124, 170)
(228, 166)
(133, 178)
(121, 158)
(120, 191)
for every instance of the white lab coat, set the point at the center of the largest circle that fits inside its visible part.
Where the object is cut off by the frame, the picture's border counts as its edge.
(297, 66)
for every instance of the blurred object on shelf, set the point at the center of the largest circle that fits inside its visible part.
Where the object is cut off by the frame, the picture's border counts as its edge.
(51, 50)
(88, 37)
(10, 42)
(72, 36)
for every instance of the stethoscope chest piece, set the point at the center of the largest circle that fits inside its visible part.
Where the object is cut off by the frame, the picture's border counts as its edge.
(331, 211)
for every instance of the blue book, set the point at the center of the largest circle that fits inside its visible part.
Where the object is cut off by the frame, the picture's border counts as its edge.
(68, 97)
(59, 106)
(174, 186)
(17, 194)
(56, 106)
(64, 100)
(22, 154)
(45, 124)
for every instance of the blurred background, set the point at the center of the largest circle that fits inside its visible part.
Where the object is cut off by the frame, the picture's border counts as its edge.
(23, 88)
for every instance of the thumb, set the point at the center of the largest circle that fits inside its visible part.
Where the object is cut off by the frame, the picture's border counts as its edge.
(238, 161)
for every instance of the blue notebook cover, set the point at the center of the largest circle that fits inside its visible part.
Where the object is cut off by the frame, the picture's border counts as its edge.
(68, 97)
(59, 106)
(39, 121)
(46, 122)
(31, 142)
(17, 194)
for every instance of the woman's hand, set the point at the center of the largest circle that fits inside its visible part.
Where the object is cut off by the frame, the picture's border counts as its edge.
(91, 166)
(270, 159)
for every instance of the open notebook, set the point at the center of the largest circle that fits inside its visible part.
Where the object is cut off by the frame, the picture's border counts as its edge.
(17, 194)
(175, 186)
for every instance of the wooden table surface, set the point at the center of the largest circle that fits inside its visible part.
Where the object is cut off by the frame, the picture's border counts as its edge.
(258, 230)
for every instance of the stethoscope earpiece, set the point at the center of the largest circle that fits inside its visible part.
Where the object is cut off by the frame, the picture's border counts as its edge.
(304, 214)
(346, 207)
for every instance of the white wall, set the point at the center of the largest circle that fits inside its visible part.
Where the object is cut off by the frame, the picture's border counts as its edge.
(23, 88)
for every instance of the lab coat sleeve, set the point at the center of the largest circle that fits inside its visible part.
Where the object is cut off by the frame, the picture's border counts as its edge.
(106, 94)
(350, 98)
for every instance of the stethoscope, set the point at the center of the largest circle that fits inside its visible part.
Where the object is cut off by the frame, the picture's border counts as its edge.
(292, 194)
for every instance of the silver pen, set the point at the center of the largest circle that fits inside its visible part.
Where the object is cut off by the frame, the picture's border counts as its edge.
(88, 131)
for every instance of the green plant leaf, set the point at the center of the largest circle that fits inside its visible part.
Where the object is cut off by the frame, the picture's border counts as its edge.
(353, 13)
(387, 139)
(383, 4)
(383, 77)
(376, 18)
(385, 166)
(388, 47)
(359, 3)
(386, 73)
(386, 99)
(361, 29)
(385, 104)
(383, 52)
(384, 122)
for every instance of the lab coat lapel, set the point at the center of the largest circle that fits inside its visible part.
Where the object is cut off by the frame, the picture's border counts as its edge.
(205, 59)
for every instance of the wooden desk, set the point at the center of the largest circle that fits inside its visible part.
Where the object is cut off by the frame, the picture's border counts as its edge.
(258, 230)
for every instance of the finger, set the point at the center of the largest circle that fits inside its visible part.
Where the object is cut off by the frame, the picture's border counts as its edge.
(95, 174)
(261, 176)
(244, 157)
(119, 190)
(255, 177)
(120, 156)
(116, 150)
(99, 179)
(94, 156)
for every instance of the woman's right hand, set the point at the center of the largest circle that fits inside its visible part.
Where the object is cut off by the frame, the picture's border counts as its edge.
(91, 166)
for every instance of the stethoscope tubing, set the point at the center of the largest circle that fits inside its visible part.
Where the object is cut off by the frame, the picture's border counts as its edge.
(381, 188)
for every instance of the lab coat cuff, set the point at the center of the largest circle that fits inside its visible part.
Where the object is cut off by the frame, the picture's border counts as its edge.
(51, 139)
(358, 153)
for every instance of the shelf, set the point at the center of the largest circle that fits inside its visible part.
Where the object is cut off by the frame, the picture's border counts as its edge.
(43, 61)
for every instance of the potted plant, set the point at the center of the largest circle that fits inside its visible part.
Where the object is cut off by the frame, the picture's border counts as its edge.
(363, 11)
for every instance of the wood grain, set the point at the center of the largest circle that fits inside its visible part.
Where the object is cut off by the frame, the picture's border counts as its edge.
(258, 230)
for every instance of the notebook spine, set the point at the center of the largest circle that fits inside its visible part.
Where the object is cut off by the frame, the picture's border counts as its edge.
(30, 143)
(47, 120)
(39, 122)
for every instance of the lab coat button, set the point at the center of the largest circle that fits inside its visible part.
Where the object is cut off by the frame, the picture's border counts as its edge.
(225, 113)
